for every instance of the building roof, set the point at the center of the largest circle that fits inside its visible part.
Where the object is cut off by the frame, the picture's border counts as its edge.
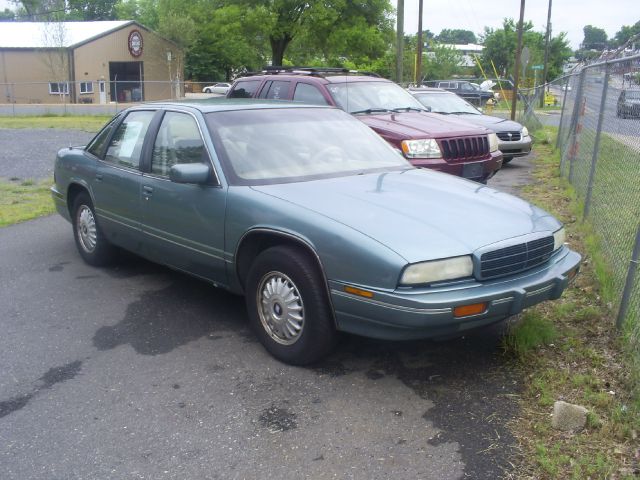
(54, 34)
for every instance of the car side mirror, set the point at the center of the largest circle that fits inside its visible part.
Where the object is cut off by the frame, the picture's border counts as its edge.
(428, 109)
(189, 173)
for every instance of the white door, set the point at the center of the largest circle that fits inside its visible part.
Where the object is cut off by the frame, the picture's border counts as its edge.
(103, 92)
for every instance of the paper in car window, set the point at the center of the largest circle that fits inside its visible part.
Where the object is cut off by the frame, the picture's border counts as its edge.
(130, 138)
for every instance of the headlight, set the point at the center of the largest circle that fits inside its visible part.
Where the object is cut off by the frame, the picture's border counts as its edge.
(437, 270)
(493, 142)
(427, 148)
(558, 239)
(524, 132)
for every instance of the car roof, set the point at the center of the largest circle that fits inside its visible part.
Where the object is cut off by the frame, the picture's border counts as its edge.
(430, 90)
(233, 104)
(316, 78)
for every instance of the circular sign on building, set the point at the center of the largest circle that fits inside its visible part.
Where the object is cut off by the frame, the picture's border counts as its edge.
(135, 43)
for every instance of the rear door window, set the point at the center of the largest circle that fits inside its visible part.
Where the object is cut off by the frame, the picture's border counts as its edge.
(276, 90)
(245, 89)
(308, 94)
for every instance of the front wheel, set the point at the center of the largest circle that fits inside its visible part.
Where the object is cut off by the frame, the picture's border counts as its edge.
(288, 306)
(94, 248)
(207, 90)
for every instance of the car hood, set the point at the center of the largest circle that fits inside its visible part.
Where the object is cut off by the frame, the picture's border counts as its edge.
(496, 124)
(413, 125)
(419, 214)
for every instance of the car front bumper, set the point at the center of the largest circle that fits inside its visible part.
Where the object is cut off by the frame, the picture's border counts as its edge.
(478, 170)
(517, 148)
(429, 312)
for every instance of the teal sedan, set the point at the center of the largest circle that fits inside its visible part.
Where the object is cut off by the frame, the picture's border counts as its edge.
(314, 218)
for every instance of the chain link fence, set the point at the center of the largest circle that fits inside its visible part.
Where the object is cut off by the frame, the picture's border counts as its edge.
(599, 140)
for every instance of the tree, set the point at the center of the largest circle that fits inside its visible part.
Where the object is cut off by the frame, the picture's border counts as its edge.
(626, 32)
(500, 47)
(441, 62)
(456, 36)
(7, 15)
(594, 38)
(88, 10)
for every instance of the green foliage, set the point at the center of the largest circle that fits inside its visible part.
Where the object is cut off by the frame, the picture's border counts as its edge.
(456, 36)
(7, 15)
(24, 201)
(625, 33)
(500, 47)
(441, 62)
(594, 38)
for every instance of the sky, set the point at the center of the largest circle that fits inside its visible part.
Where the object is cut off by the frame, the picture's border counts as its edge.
(568, 16)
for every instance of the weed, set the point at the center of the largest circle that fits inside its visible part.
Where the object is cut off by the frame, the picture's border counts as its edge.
(531, 331)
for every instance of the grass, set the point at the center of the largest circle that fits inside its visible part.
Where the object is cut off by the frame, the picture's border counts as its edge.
(24, 200)
(87, 123)
(569, 350)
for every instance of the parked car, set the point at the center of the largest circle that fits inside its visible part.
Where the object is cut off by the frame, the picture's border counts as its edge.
(426, 140)
(313, 217)
(628, 104)
(464, 89)
(513, 138)
(221, 88)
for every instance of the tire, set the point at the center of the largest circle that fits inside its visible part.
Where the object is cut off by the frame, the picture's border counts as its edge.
(207, 90)
(300, 331)
(92, 245)
(506, 160)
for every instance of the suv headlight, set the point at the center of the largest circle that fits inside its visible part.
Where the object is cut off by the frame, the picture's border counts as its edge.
(426, 148)
(559, 238)
(437, 270)
(493, 142)
(524, 132)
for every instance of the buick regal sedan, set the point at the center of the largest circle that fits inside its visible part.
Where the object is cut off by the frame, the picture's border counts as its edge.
(316, 220)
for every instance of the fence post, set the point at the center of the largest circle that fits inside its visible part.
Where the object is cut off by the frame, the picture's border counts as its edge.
(628, 286)
(596, 145)
(577, 108)
(564, 104)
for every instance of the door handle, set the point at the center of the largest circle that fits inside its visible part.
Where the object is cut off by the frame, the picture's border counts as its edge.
(99, 177)
(147, 191)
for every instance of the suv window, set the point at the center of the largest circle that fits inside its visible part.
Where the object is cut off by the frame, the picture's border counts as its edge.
(275, 90)
(245, 89)
(308, 94)
(178, 141)
(466, 86)
(126, 145)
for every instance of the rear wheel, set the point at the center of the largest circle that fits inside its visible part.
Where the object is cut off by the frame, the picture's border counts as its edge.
(506, 160)
(288, 306)
(94, 248)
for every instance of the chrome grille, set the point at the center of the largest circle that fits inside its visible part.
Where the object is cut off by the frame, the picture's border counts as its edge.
(465, 148)
(515, 258)
(508, 136)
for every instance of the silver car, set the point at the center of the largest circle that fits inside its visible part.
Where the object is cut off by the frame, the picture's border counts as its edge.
(313, 217)
(513, 138)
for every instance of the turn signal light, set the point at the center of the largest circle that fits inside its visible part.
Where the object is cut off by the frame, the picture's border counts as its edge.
(466, 310)
(359, 292)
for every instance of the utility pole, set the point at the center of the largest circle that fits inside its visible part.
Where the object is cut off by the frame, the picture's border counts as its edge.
(546, 55)
(517, 67)
(419, 51)
(400, 41)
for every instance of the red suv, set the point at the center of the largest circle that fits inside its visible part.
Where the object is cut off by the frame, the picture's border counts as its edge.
(427, 140)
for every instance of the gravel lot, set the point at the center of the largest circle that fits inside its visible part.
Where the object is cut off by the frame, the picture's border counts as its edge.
(29, 154)
(136, 371)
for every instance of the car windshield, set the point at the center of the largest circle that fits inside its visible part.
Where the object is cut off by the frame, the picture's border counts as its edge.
(446, 103)
(266, 146)
(633, 94)
(372, 97)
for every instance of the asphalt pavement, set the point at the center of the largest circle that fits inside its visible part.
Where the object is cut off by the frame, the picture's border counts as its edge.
(136, 371)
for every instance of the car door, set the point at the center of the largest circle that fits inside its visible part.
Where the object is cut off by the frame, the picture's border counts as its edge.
(116, 185)
(183, 224)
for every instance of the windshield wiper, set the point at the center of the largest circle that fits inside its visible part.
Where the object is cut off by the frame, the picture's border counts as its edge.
(408, 109)
(369, 111)
(463, 113)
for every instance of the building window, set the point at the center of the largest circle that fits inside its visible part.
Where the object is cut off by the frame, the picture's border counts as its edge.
(86, 87)
(59, 88)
